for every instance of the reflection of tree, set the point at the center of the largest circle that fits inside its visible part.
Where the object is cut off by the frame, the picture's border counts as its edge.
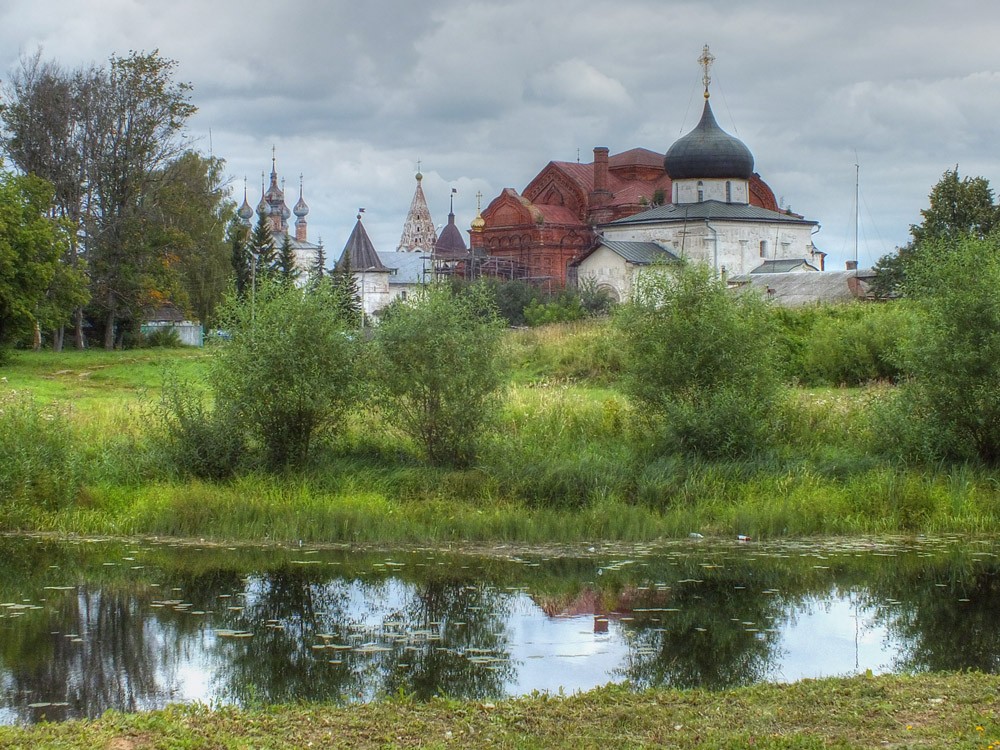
(286, 611)
(937, 631)
(433, 626)
(411, 637)
(112, 664)
(471, 660)
(706, 643)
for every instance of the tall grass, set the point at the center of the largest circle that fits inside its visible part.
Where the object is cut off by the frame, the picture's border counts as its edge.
(568, 462)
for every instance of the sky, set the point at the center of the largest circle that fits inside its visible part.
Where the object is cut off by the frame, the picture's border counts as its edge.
(353, 95)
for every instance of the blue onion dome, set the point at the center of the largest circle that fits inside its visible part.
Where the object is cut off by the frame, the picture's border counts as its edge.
(285, 211)
(301, 209)
(708, 152)
(263, 208)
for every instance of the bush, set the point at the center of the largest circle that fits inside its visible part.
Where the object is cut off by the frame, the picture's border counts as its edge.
(440, 369)
(199, 441)
(165, 337)
(291, 370)
(854, 345)
(701, 359)
(949, 408)
(565, 308)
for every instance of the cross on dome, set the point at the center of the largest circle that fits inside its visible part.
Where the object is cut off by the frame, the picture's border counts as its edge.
(706, 61)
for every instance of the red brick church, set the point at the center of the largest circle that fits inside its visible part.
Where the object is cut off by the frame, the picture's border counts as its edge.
(552, 222)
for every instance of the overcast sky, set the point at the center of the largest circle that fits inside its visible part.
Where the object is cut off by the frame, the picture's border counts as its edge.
(484, 94)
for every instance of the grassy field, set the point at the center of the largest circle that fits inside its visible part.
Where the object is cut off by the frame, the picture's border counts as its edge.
(934, 711)
(570, 461)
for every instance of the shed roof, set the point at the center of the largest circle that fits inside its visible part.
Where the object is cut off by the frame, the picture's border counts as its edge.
(795, 289)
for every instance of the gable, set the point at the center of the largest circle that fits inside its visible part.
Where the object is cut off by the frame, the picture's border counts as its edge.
(509, 210)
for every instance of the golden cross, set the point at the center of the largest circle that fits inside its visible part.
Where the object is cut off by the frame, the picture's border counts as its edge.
(706, 61)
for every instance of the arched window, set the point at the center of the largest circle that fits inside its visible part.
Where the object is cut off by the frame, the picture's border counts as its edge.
(729, 191)
(701, 191)
(763, 248)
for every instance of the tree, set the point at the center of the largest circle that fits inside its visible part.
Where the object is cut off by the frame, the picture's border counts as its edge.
(45, 130)
(139, 113)
(701, 359)
(240, 259)
(187, 213)
(346, 292)
(261, 248)
(441, 369)
(290, 373)
(285, 264)
(318, 271)
(29, 253)
(104, 137)
(950, 405)
(958, 208)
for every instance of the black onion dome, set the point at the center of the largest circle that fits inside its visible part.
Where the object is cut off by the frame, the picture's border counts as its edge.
(708, 152)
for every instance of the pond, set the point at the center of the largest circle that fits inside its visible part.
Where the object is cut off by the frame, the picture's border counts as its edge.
(88, 625)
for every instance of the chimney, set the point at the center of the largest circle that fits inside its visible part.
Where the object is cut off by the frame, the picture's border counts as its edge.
(600, 169)
(852, 265)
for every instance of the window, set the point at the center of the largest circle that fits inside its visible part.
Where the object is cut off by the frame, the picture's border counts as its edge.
(701, 191)
(729, 191)
(763, 248)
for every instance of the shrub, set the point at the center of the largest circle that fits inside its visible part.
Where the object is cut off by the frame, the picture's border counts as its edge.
(701, 358)
(166, 337)
(197, 440)
(565, 308)
(291, 370)
(949, 408)
(440, 369)
(856, 345)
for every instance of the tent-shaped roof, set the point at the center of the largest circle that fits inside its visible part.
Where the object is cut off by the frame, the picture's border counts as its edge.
(361, 252)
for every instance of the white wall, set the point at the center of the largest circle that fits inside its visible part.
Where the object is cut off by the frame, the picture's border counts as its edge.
(733, 245)
(686, 191)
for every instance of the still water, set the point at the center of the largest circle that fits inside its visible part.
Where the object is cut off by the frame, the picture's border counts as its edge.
(88, 625)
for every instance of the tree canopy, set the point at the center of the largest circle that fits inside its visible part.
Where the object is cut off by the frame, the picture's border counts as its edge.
(145, 214)
(30, 248)
(958, 208)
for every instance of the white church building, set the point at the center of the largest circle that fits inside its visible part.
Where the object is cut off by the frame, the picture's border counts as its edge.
(710, 219)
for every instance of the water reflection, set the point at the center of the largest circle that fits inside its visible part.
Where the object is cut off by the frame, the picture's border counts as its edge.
(88, 626)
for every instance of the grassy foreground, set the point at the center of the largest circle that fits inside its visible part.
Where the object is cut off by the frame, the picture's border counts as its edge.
(930, 711)
(569, 462)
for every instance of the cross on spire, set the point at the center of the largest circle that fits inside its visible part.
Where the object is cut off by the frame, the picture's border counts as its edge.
(479, 198)
(706, 61)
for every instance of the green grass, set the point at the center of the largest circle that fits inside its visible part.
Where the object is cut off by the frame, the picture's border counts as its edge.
(568, 462)
(97, 379)
(924, 711)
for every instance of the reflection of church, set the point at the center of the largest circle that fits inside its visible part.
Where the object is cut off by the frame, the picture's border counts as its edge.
(700, 200)
(272, 205)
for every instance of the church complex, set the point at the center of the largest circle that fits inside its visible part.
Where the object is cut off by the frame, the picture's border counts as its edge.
(598, 223)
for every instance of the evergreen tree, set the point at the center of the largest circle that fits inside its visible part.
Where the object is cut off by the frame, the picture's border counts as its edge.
(241, 260)
(318, 271)
(347, 296)
(262, 249)
(285, 265)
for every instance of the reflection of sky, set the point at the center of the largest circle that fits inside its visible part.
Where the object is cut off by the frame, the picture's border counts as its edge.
(553, 653)
(823, 634)
(828, 638)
